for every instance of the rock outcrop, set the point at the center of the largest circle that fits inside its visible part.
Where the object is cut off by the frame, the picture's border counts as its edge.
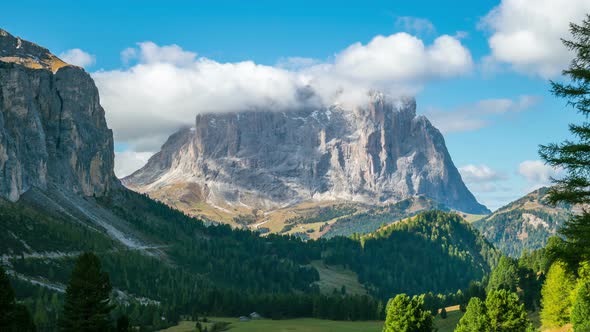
(52, 127)
(381, 152)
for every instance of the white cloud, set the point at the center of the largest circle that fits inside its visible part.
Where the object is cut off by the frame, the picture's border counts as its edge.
(526, 33)
(416, 25)
(128, 54)
(479, 114)
(479, 174)
(403, 58)
(167, 86)
(78, 57)
(538, 174)
(128, 162)
(488, 185)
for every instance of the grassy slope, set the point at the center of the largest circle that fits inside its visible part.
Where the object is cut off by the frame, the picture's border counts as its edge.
(188, 198)
(333, 277)
(311, 325)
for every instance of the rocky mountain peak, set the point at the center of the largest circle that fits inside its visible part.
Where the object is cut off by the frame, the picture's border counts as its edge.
(376, 153)
(52, 127)
(28, 54)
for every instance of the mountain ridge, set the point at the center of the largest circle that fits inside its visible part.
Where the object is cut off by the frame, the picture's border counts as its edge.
(379, 153)
(524, 224)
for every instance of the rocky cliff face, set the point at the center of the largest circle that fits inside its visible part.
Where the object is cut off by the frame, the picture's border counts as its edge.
(52, 127)
(378, 153)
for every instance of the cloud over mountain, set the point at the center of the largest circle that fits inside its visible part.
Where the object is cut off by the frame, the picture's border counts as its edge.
(166, 86)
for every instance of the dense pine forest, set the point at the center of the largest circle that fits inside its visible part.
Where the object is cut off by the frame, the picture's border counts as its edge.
(216, 270)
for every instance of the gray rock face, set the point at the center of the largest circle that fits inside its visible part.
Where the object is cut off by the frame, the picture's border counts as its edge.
(52, 127)
(379, 153)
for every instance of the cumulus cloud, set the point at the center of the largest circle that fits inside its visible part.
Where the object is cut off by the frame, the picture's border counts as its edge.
(127, 162)
(487, 184)
(415, 25)
(78, 57)
(526, 34)
(166, 86)
(538, 174)
(479, 114)
(479, 173)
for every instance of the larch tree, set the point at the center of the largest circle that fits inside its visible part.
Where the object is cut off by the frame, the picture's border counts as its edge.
(556, 296)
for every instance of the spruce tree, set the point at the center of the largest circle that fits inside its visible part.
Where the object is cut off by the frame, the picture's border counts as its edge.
(556, 296)
(405, 314)
(504, 276)
(7, 301)
(443, 313)
(13, 317)
(574, 155)
(87, 306)
(475, 319)
(506, 313)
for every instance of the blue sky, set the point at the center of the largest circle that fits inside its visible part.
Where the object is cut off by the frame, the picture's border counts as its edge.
(493, 107)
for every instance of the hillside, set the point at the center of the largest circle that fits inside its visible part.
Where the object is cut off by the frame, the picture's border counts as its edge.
(40, 244)
(431, 243)
(524, 224)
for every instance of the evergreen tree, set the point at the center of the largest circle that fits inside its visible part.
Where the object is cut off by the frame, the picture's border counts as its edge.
(87, 306)
(572, 155)
(581, 309)
(506, 313)
(475, 319)
(7, 302)
(504, 276)
(405, 314)
(556, 296)
(13, 317)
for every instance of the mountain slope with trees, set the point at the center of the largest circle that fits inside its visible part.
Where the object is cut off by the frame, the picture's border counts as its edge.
(525, 224)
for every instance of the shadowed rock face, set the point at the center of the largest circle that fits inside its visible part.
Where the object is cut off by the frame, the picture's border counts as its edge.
(52, 127)
(378, 153)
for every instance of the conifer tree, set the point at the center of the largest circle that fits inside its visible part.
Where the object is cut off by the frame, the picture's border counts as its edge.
(87, 307)
(506, 313)
(7, 302)
(405, 314)
(475, 319)
(573, 155)
(504, 276)
(581, 309)
(14, 317)
(443, 313)
(556, 296)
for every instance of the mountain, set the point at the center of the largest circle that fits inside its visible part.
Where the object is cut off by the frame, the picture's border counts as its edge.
(52, 127)
(235, 163)
(526, 223)
(59, 197)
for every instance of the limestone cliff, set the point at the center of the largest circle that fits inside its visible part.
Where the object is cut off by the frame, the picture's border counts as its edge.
(52, 127)
(381, 152)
